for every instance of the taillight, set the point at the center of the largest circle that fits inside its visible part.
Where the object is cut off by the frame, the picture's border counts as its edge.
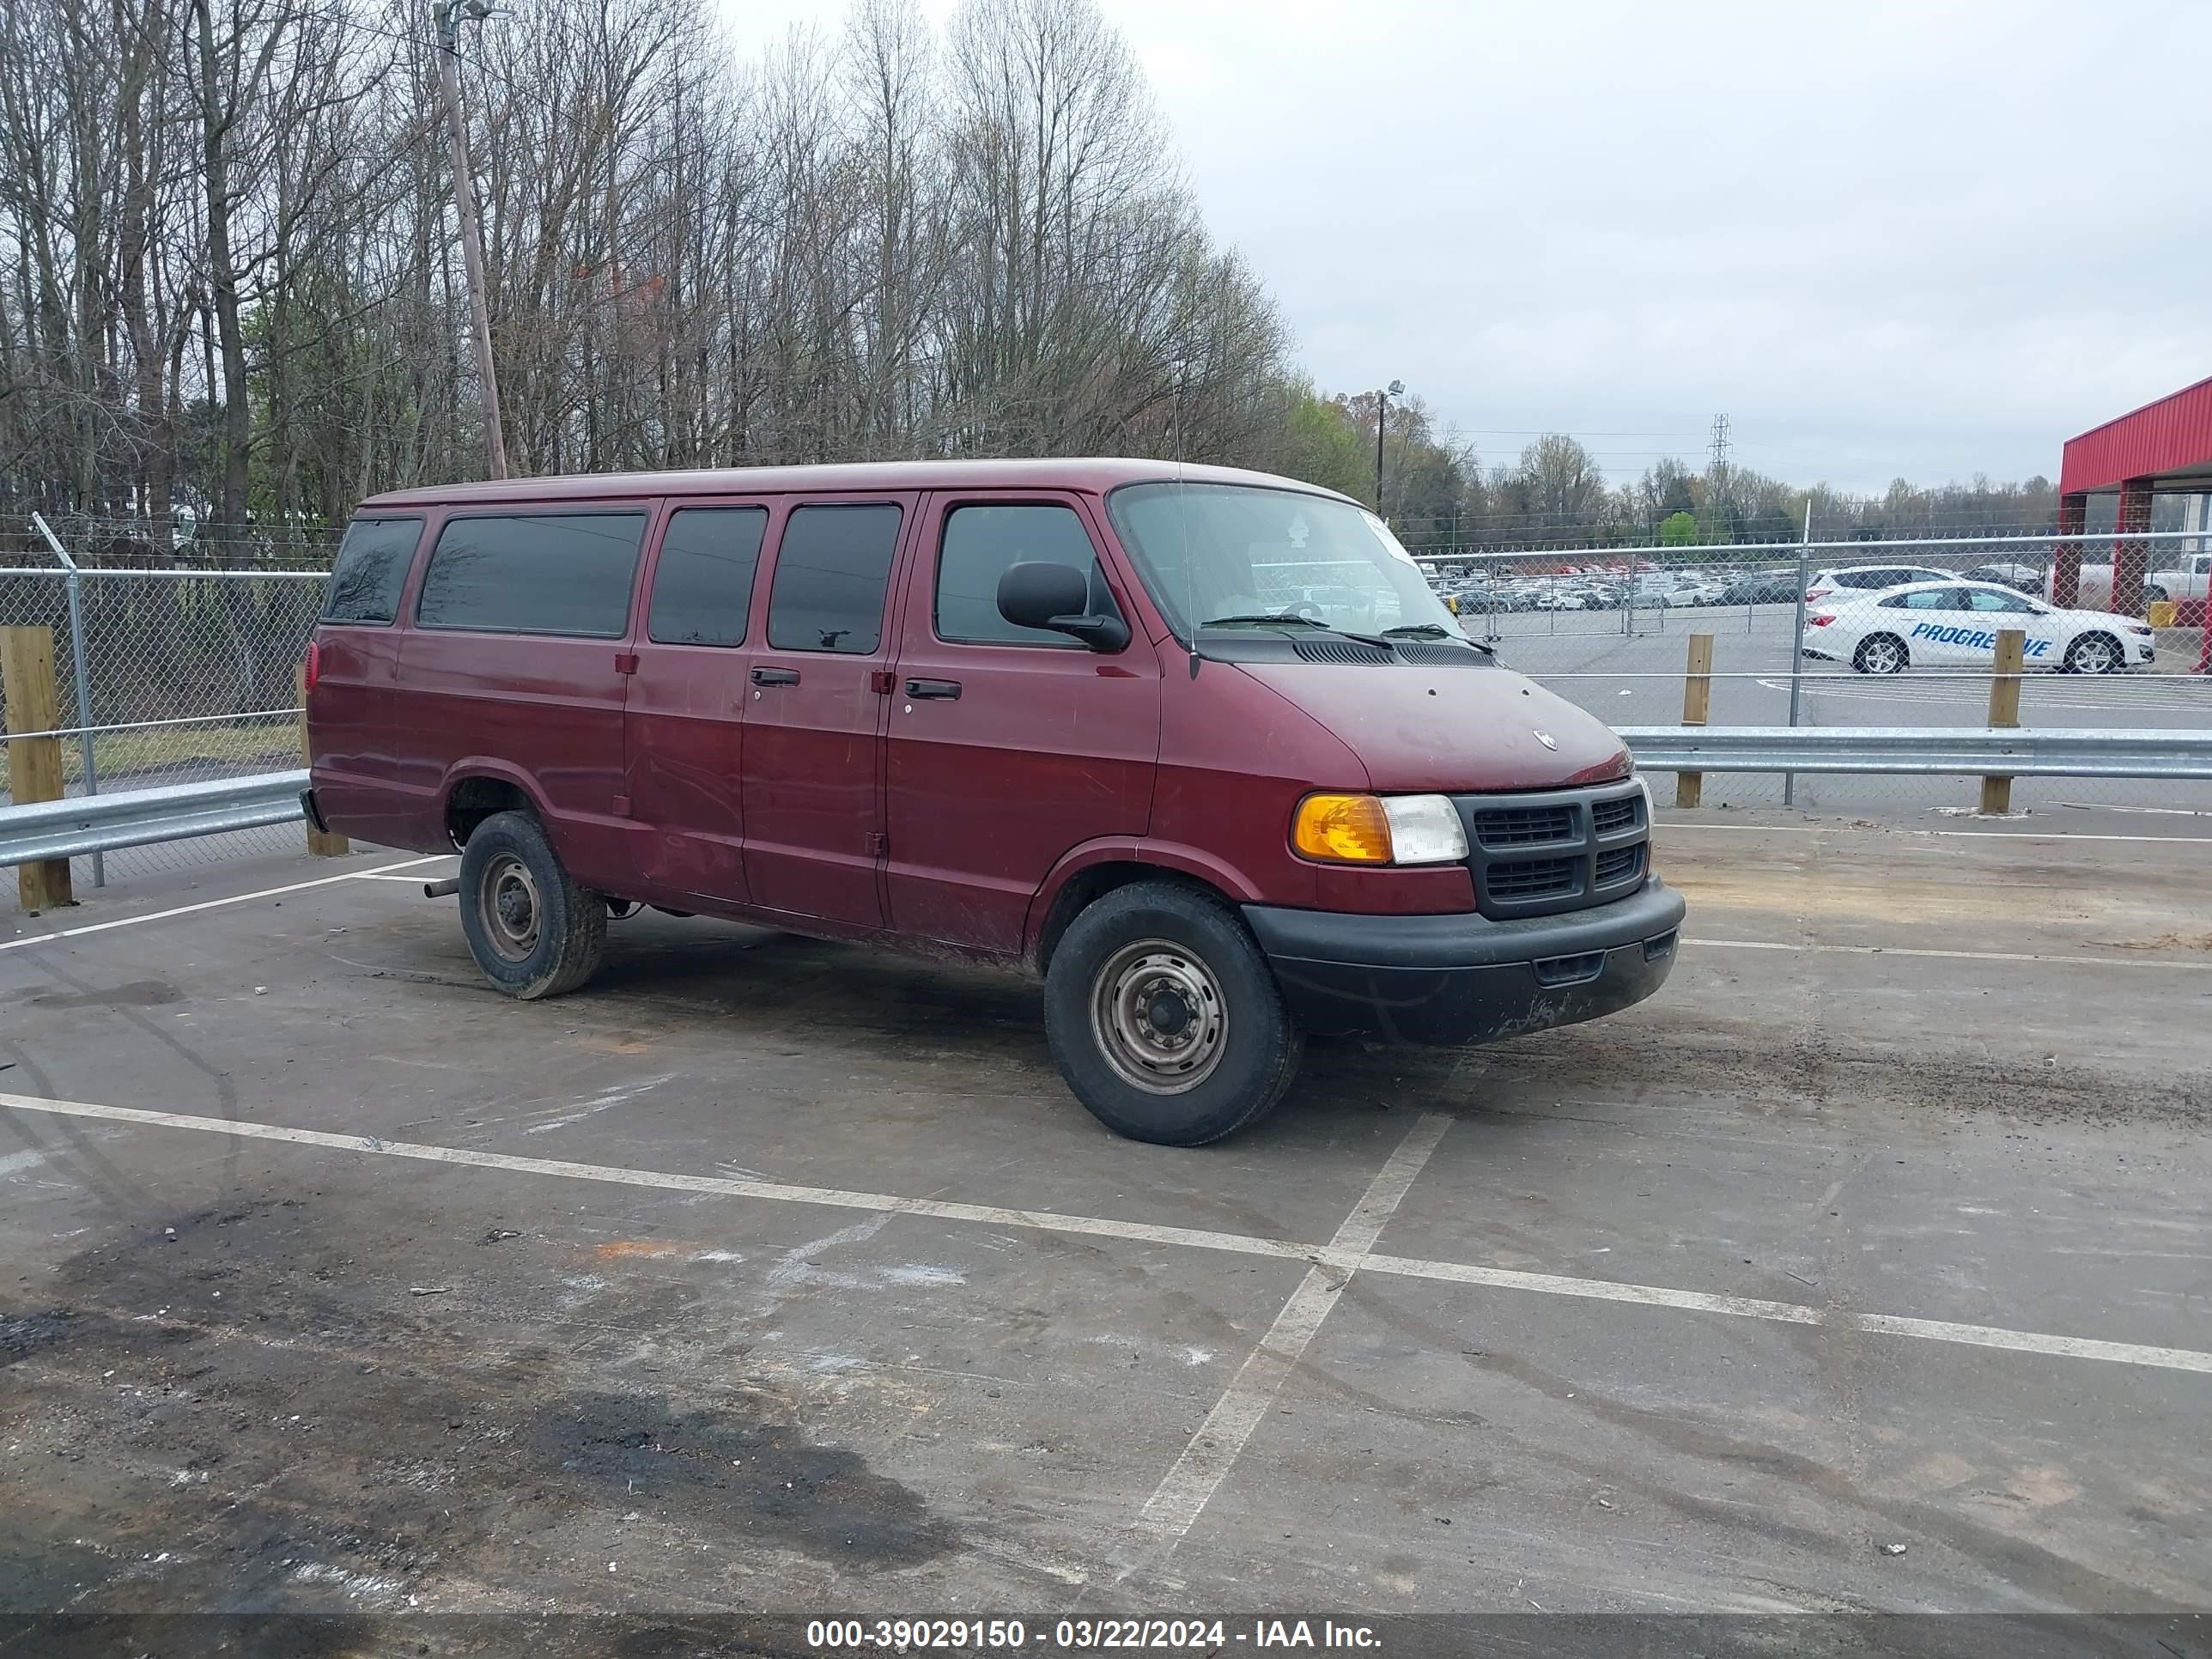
(1820, 619)
(1818, 594)
(313, 665)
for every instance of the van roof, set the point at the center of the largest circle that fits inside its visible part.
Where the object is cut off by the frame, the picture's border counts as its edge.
(1099, 473)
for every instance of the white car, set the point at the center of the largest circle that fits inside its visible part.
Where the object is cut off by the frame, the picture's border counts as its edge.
(1845, 583)
(1946, 623)
(2189, 575)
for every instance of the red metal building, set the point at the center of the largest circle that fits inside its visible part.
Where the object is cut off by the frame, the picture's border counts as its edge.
(2163, 448)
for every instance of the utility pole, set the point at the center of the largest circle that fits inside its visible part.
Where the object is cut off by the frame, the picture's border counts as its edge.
(1396, 389)
(1723, 492)
(448, 14)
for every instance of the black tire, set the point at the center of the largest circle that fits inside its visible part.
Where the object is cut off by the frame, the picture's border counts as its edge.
(2116, 660)
(1866, 658)
(533, 932)
(1155, 940)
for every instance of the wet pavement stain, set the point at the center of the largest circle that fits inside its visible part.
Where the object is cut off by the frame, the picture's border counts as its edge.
(726, 1469)
(236, 1410)
(139, 994)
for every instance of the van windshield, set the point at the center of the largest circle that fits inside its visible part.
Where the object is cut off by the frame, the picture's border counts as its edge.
(1227, 557)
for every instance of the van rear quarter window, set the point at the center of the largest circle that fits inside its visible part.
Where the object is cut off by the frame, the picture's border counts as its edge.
(371, 570)
(704, 582)
(564, 573)
(831, 571)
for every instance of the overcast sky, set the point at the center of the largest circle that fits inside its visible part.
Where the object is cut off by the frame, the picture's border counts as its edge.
(1920, 238)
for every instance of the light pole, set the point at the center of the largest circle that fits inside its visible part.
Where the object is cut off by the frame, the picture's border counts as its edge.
(448, 14)
(1396, 389)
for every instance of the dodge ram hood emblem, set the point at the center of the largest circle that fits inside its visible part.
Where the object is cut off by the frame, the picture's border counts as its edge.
(1545, 737)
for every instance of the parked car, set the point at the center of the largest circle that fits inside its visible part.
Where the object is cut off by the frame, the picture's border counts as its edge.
(1955, 622)
(2021, 578)
(1761, 587)
(1032, 713)
(2181, 576)
(1853, 581)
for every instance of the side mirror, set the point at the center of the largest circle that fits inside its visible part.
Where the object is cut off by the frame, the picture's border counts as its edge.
(1036, 594)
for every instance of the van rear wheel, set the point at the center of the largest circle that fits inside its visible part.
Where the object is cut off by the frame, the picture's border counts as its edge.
(1164, 1018)
(533, 932)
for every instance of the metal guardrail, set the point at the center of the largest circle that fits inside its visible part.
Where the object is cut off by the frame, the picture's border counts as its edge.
(1939, 751)
(85, 824)
(140, 818)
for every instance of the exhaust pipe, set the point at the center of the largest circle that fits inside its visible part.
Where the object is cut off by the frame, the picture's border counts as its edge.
(445, 888)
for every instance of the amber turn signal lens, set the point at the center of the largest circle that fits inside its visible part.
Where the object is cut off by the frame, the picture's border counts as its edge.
(1342, 829)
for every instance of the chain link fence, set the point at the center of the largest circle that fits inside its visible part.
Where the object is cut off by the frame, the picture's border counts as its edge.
(172, 671)
(188, 659)
(1901, 633)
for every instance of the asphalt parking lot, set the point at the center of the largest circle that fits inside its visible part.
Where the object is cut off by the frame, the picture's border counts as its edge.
(1863, 1269)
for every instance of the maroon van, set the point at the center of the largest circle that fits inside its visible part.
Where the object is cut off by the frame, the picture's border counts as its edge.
(1199, 746)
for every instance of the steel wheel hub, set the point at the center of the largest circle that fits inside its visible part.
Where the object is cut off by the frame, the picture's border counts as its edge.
(1158, 1017)
(510, 908)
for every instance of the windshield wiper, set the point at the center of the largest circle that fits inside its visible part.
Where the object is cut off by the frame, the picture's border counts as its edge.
(1432, 631)
(1291, 619)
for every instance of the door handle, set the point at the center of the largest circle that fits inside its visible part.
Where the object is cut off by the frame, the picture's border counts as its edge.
(776, 677)
(919, 688)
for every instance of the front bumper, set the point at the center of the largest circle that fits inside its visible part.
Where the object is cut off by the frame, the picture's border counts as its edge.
(1464, 978)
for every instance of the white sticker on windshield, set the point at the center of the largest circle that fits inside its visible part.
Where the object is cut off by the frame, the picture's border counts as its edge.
(1381, 532)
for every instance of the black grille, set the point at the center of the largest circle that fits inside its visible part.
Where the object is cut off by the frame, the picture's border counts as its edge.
(1545, 852)
(1521, 880)
(1620, 865)
(1610, 817)
(1522, 826)
(1571, 970)
(1338, 651)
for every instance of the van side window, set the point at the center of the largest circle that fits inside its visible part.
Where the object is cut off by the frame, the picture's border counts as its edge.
(703, 584)
(567, 574)
(980, 542)
(371, 569)
(832, 568)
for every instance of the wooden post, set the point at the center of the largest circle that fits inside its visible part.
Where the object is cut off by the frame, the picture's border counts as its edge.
(35, 764)
(319, 845)
(1697, 704)
(2004, 710)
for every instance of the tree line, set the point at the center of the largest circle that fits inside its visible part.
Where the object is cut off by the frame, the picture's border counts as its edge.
(1437, 493)
(230, 290)
(231, 299)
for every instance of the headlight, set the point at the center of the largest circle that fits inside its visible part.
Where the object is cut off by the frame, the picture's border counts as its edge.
(1379, 830)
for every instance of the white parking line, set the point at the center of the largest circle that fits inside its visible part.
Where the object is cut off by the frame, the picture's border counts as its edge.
(727, 1187)
(216, 904)
(1793, 1313)
(1953, 956)
(1670, 826)
(1187, 1488)
(1327, 1255)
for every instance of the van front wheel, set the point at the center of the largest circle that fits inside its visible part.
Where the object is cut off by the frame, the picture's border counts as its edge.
(1163, 1017)
(533, 932)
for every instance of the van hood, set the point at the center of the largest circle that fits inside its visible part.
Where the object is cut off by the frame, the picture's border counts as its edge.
(1450, 730)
